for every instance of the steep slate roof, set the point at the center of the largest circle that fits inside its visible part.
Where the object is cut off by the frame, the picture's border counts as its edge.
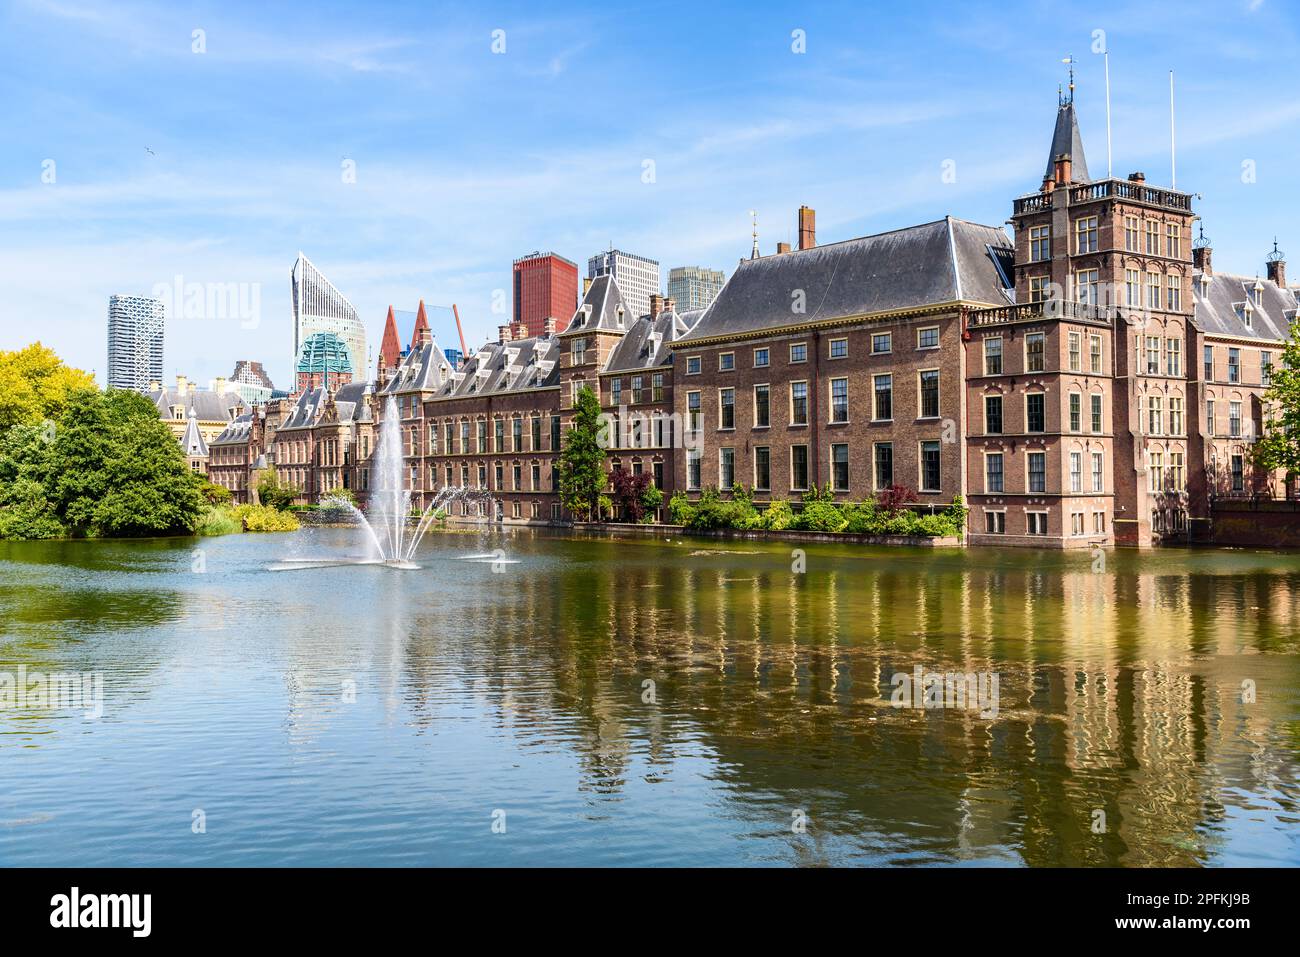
(944, 261)
(1216, 307)
(208, 406)
(500, 367)
(645, 344)
(600, 308)
(1066, 139)
(192, 443)
(236, 433)
(424, 369)
(350, 402)
(306, 411)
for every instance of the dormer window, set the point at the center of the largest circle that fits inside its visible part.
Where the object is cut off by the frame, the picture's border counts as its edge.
(618, 313)
(178, 412)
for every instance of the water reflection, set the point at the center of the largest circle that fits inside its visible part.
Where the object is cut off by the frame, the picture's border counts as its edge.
(646, 702)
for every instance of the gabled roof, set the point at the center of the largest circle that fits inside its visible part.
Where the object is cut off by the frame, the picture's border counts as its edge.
(306, 411)
(1066, 140)
(1220, 304)
(236, 433)
(423, 369)
(946, 261)
(499, 367)
(390, 345)
(192, 443)
(645, 344)
(208, 406)
(603, 309)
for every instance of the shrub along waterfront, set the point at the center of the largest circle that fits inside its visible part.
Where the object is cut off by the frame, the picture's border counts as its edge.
(886, 515)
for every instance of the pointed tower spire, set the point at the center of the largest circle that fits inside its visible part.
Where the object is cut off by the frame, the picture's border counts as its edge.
(390, 347)
(753, 253)
(1066, 141)
(421, 334)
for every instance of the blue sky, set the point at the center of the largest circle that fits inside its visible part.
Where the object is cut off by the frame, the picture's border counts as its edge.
(466, 158)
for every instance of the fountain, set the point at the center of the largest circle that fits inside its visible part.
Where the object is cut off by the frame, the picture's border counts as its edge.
(391, 535)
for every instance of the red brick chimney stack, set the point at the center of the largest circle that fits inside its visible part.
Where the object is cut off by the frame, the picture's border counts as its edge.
(807, 228)
(656, 305)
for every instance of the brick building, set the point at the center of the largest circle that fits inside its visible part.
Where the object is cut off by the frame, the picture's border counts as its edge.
(545, 287)
(1087, 380)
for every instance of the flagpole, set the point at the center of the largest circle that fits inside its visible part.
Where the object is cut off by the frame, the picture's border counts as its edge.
(1173, 148)
(1110, 172)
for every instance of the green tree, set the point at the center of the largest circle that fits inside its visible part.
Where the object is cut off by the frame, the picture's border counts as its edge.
(1279, 446)
(581, 464)
(36, 385)
(271, 491)
(115, 469)
(25, 510)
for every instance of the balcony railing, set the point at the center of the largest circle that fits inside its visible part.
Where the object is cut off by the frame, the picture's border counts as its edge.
(1047, 309)
(1122, 189)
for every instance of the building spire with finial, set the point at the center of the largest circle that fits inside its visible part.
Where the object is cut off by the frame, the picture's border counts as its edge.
(1276, 255)
(753, 253)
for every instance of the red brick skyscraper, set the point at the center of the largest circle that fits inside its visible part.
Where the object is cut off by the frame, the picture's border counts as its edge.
(545, 286)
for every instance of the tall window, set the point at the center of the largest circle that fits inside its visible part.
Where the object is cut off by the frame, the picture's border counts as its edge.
(1177, 472)
(1034, 352)
(1208, 361)
(1086, 232)
(799, 403)
(993, 414)
(727, 409)
(1131, 233)
(1153, 355)
(517, 435)
(1266, 369)
(1234, 419)
(798, 467)
(993, 356)
(616, 392)
(1076, 471)
(693, 468)
(1087, 281)
(1209, 416)
(930, 394)
(1234, 365)
(693, 408)
(1037, 472)
(1040, 243)
(1173, 292)
(839, 400)
(1076, 412)
(993, 472)
(1153, 238)
(762, 468)
(884, 462)
(1174, 357)
(1153, 290)
(1035, 414)
(1175, 415)
(762, 409)
(930, 475)
(1076, 352)
(840, 468)
(1238, 474)
(884, 397)
(1155, 415)
(1174, 241)
(1156, 468)
(1097, 425)
(1094, 353)
(726, 468)
(1097, 472)
(1132, 288)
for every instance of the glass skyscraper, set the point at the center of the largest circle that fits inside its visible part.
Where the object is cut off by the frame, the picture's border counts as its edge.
(319, 307)
(135, 342)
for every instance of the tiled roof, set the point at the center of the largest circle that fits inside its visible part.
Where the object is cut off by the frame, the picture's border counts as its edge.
(192, 443)
(424, 369)
(236, 433)
(603, 308)
(208, 406)
(944, 261)
(1222, 303)
(645, 344)
(514, 366)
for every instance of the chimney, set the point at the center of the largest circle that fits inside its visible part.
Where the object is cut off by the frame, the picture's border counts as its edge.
(807, 228)
(153, 385)
(548, 326)
(182, 384)
(656, 304)
(503, 333)
(1201, 256)
(1061, 169)
(782, 248)
(219, 387)
(670, 304)
(586, 285)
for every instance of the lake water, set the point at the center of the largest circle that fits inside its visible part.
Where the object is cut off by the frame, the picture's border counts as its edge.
(603, 701)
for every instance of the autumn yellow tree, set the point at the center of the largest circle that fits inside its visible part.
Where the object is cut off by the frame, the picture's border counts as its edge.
(35, 385)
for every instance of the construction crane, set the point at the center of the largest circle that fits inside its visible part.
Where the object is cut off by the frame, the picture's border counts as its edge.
(459, 331)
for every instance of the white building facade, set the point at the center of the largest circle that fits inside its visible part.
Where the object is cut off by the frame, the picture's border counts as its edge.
(135, 342)
(637, 277)
(319, 307)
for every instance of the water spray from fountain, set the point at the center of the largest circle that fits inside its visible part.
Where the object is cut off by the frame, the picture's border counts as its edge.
(393, 537)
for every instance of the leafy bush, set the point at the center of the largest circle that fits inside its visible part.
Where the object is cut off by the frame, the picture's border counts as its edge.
(895, 497)
(264, 518)
(680, 509)
(820, 516)
(215, 494)
(217, 520)
(778, 516)
(273, 493)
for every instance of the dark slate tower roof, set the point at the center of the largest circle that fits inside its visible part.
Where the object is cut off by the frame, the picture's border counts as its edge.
(1066, 140)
